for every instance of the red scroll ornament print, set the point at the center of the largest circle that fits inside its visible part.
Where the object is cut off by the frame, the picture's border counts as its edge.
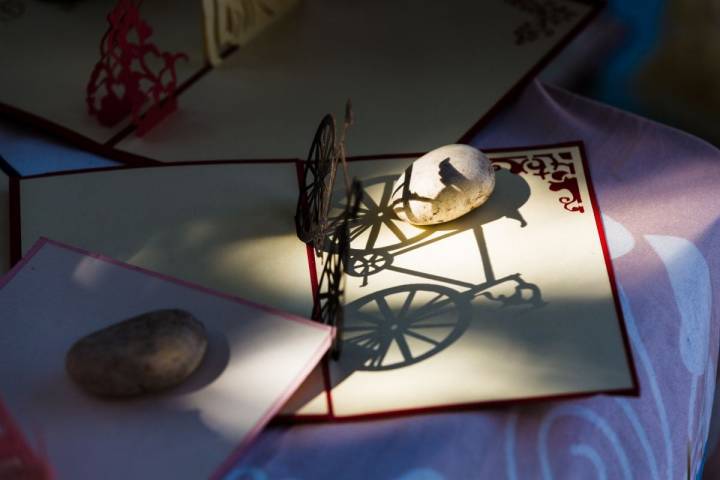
(122, 83)
(555, 168)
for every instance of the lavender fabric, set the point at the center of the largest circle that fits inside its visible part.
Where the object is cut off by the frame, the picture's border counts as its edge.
(656, 190)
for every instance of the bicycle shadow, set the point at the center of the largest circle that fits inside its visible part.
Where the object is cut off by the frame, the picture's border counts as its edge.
(372, 252)
(405, 324)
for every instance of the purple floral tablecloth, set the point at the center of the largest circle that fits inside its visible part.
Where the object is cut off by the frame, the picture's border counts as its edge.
(656, 189)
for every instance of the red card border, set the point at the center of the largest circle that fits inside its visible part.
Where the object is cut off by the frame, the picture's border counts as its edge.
(275, 407)
(109, 150)
(634, 391)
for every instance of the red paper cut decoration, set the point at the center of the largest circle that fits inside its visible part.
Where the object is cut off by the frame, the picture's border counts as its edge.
(17, 459)
(122, 83)
(556, 169)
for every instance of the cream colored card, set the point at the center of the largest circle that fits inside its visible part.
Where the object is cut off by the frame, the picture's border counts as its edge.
(256, 357)
(420, 74)
(512, 301)
(49, 49)
(229, 227)
(231, 23)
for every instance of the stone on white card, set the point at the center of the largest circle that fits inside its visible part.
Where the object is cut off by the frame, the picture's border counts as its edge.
(146, 353)
(442, 185)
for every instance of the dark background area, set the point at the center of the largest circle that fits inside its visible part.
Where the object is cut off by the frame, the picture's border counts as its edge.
(656, 58)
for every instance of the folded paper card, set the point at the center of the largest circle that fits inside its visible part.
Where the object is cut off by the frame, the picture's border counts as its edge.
(236, 22)
(510, 302)
(133, 77)
(5, 171)
(256, 358)
(52, 88)
(421, 73)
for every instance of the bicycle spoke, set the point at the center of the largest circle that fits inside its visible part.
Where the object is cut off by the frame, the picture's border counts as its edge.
(433, 325)
(374, 234)
(387, 193)
(432, 303)
(404, 347)
(362, 209)
(378, 360)
(357, 328)
(355, 233)
(390, 224)
(361, 339)
(422, 337)
(385, 309)
(382, 350)
(432, 314)
(366, 317)
(369, 203)
(406, 304)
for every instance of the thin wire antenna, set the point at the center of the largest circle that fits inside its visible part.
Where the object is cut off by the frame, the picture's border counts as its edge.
(348, 121)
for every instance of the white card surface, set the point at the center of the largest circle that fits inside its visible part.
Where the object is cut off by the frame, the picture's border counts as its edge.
(228, 227)
(420, 74)
(256, 357)
(511, 302)
(52, 86)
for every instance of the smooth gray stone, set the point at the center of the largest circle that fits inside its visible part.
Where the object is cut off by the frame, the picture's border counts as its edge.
(442, 185)
(147, 353)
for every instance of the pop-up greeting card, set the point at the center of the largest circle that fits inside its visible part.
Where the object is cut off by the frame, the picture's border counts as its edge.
(456, 278)
(127, 373)
(124, 82)
(229, 23)
(426, 73)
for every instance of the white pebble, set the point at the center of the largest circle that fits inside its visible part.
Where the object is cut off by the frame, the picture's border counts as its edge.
(443, 184)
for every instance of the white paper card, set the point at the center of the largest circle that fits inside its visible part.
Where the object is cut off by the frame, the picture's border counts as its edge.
(49, 50)
(511, 301)
(420, 74)
(228, 227)
(256, 358)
